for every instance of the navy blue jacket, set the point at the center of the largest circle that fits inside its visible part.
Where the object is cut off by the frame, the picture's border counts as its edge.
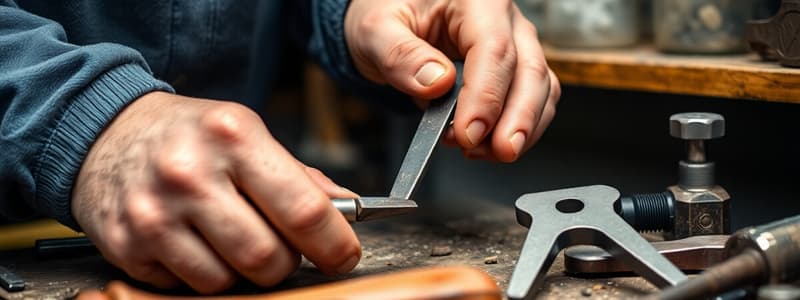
(68, 67)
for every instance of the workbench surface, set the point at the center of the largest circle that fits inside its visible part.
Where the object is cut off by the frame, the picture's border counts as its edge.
(479, 230)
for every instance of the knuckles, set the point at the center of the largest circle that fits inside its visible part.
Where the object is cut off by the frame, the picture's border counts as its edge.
(537, 68)
(214, 283)
(533, 31)
(549, 111)
(309, 213)
(147, 272)
(185, 162)
(211, 281)
(258, 256)
(370, 22)
(502, 48)
(229, 121)
(115, 245)
(258, 259)
(148, 220)
(555, 87)
(492, 100)
(400, 55)
(179, 163)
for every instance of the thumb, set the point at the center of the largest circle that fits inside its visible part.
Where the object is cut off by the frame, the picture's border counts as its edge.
(410, 64)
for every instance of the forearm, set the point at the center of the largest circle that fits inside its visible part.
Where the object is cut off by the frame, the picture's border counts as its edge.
(55, 98)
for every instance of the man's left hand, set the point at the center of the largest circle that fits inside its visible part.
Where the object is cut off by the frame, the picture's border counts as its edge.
(509, 94)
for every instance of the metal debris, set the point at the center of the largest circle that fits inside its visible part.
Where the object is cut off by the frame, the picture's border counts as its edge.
(491, 260)
(441, 251)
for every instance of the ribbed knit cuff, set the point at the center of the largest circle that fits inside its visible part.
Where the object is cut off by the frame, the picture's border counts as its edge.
(83, 120)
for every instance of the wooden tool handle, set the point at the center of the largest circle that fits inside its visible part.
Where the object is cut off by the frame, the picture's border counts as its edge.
(434, 283)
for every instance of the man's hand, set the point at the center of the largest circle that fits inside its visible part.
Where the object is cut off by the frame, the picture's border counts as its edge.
(179, 189)
(509, 94)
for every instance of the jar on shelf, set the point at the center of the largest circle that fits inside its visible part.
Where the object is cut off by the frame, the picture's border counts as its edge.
(591, 23)
(700, 26)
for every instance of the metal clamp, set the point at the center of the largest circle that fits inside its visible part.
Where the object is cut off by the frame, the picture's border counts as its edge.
(580, 216)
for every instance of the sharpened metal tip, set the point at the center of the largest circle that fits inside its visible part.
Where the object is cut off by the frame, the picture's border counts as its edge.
(372, 208)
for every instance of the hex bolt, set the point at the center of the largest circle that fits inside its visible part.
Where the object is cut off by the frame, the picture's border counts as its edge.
(696, 172)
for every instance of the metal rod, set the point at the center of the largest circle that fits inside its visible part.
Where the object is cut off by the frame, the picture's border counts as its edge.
(696, 151)
(746, 268)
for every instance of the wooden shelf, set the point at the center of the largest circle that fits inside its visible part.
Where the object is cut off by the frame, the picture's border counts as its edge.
(644, 69)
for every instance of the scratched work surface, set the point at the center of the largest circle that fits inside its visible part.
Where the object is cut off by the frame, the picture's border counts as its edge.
(472, 235)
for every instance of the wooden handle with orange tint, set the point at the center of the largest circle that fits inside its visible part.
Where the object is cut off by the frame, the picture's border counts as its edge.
(434, 283)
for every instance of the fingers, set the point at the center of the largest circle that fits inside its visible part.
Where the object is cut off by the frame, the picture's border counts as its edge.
(137, 262)
(243, 238)
(121, 249)
(302, 212)
(514, 102)
(387, 50)
(549, 111)
(171, 211)
(280, 188)
(485, 36)
(190, 258)
(507, 83)
(481, 152)
(153, 273)
(175, 246)
(527, 96)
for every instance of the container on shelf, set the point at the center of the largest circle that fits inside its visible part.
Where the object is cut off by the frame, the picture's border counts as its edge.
(591, 23)
(700, 26)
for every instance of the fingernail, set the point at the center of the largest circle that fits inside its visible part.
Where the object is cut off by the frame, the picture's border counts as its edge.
(475, 132)
(517, 142)
(348, 265)
(429, 73)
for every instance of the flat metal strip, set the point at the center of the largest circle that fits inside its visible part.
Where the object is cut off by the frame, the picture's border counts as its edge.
(430, 130)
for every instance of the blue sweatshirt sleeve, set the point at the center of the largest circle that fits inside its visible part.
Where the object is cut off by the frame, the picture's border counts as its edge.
(326, 43)
(55, 98)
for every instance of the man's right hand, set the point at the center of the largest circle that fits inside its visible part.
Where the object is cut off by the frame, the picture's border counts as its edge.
(179, 189)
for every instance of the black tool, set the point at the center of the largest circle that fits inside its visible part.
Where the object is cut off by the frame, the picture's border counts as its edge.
(10, 281)
(764, 254)
(61, 247)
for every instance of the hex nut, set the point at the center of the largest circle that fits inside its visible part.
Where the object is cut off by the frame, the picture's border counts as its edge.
(697, 126)
(700, 212)
(714, 194)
